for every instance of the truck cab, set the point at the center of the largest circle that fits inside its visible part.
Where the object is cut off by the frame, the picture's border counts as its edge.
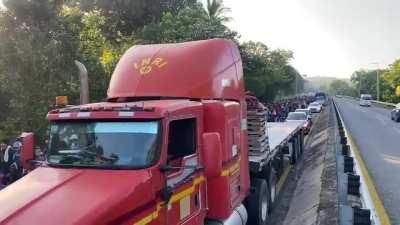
(168, 147)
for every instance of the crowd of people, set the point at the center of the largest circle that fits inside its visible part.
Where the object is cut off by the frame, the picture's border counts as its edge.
(10, 163)
(278, 111)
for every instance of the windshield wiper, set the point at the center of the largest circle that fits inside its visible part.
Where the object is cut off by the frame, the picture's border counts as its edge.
(113, 158)
(74, 152)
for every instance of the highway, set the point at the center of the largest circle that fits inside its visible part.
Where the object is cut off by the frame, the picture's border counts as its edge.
(378, 139)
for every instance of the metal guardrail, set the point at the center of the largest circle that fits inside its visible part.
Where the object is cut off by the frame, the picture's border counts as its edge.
(384, 103)
(387, 104)
(369, 196)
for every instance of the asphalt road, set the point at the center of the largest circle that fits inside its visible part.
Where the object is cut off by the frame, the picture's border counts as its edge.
(378, 139)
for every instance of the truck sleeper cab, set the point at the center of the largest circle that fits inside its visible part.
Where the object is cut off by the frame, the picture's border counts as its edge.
(156, 152)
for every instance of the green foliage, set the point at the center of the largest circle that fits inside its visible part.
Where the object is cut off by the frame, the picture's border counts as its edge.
(40, 39)
(36, 63)
(391, 79)
(267, 72)
(216, 12)
(340, 87)
(191, 23)
(365, 81)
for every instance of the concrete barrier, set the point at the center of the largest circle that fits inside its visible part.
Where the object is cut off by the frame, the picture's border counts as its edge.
(369, 196)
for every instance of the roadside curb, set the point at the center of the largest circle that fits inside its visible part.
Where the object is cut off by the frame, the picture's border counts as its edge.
(380, 209)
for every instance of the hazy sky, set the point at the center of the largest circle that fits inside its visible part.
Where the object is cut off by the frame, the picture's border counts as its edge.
(328, 37)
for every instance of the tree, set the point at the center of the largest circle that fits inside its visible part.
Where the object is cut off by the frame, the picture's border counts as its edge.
(365, 81)
(189, 24)
(267, 72)
(40, 39)
(36, 63)
(340, 87)
(391, 83)
(216, 11)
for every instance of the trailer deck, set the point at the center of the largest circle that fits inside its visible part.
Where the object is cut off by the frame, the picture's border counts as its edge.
(279, 134)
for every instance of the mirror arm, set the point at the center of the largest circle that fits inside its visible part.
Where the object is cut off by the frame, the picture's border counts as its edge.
(35, 162)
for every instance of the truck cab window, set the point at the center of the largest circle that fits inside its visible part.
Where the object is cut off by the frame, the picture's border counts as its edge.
(182, 138)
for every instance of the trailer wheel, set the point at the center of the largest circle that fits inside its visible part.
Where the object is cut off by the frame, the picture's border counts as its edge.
(301, 143)
(258, 203)
(273, 179)
(293, 156)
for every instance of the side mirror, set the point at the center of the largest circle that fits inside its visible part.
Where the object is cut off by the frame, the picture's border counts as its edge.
(27, 151)
(212, 154)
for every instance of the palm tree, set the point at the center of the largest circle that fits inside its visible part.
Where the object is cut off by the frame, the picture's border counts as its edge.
(216, 11)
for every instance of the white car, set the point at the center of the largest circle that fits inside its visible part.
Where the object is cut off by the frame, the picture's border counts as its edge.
(302, 117)
(296, 116)
(315, 107)
(365, 100)
(306, 111)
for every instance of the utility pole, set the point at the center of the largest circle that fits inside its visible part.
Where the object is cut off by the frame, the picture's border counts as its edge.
(377, 86)
(377, 81)
(359, 86)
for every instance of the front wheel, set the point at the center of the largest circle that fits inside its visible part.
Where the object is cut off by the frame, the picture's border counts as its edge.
(258, 203)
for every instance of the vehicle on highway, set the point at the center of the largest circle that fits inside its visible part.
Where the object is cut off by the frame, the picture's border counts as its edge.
(306, 111)
(315, 107)
(395, 113)
(300, 116)
(321, 97)
(160, 150)
(365, 100)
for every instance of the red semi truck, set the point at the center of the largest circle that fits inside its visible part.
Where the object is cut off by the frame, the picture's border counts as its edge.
(170, 146)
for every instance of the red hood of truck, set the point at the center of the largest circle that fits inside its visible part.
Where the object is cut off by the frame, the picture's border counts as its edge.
(49, 196)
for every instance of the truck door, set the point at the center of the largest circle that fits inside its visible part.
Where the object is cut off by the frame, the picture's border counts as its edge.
(187, 182)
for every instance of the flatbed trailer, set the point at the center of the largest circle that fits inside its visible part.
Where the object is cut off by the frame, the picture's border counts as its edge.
(280, 135)
(285, 146)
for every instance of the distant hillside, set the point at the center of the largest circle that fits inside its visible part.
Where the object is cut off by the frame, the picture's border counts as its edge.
(321, 83)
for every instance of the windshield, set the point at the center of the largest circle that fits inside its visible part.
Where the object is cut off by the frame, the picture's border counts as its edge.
(302, 110)
(297, 116)
(366, 98)
(104, 144)
(314, 104)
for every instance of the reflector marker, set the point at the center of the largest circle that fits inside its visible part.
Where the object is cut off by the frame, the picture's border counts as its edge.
(176, 197)
(64, 115)
(83, 114)
(126, 114)
(230, 170)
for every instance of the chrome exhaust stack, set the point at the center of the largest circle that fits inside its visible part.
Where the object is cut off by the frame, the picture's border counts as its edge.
(84, 83)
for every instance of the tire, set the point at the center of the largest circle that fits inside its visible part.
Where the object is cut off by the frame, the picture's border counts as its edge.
(258, 202)
(294, 154)
(301, 144)
(273, 179)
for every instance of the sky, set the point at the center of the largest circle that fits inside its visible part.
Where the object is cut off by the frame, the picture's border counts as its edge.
(328, 37)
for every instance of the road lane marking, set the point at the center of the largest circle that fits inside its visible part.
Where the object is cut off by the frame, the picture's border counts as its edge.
(397, 130)
(381, 120)
(381, 211)
(391, 159)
